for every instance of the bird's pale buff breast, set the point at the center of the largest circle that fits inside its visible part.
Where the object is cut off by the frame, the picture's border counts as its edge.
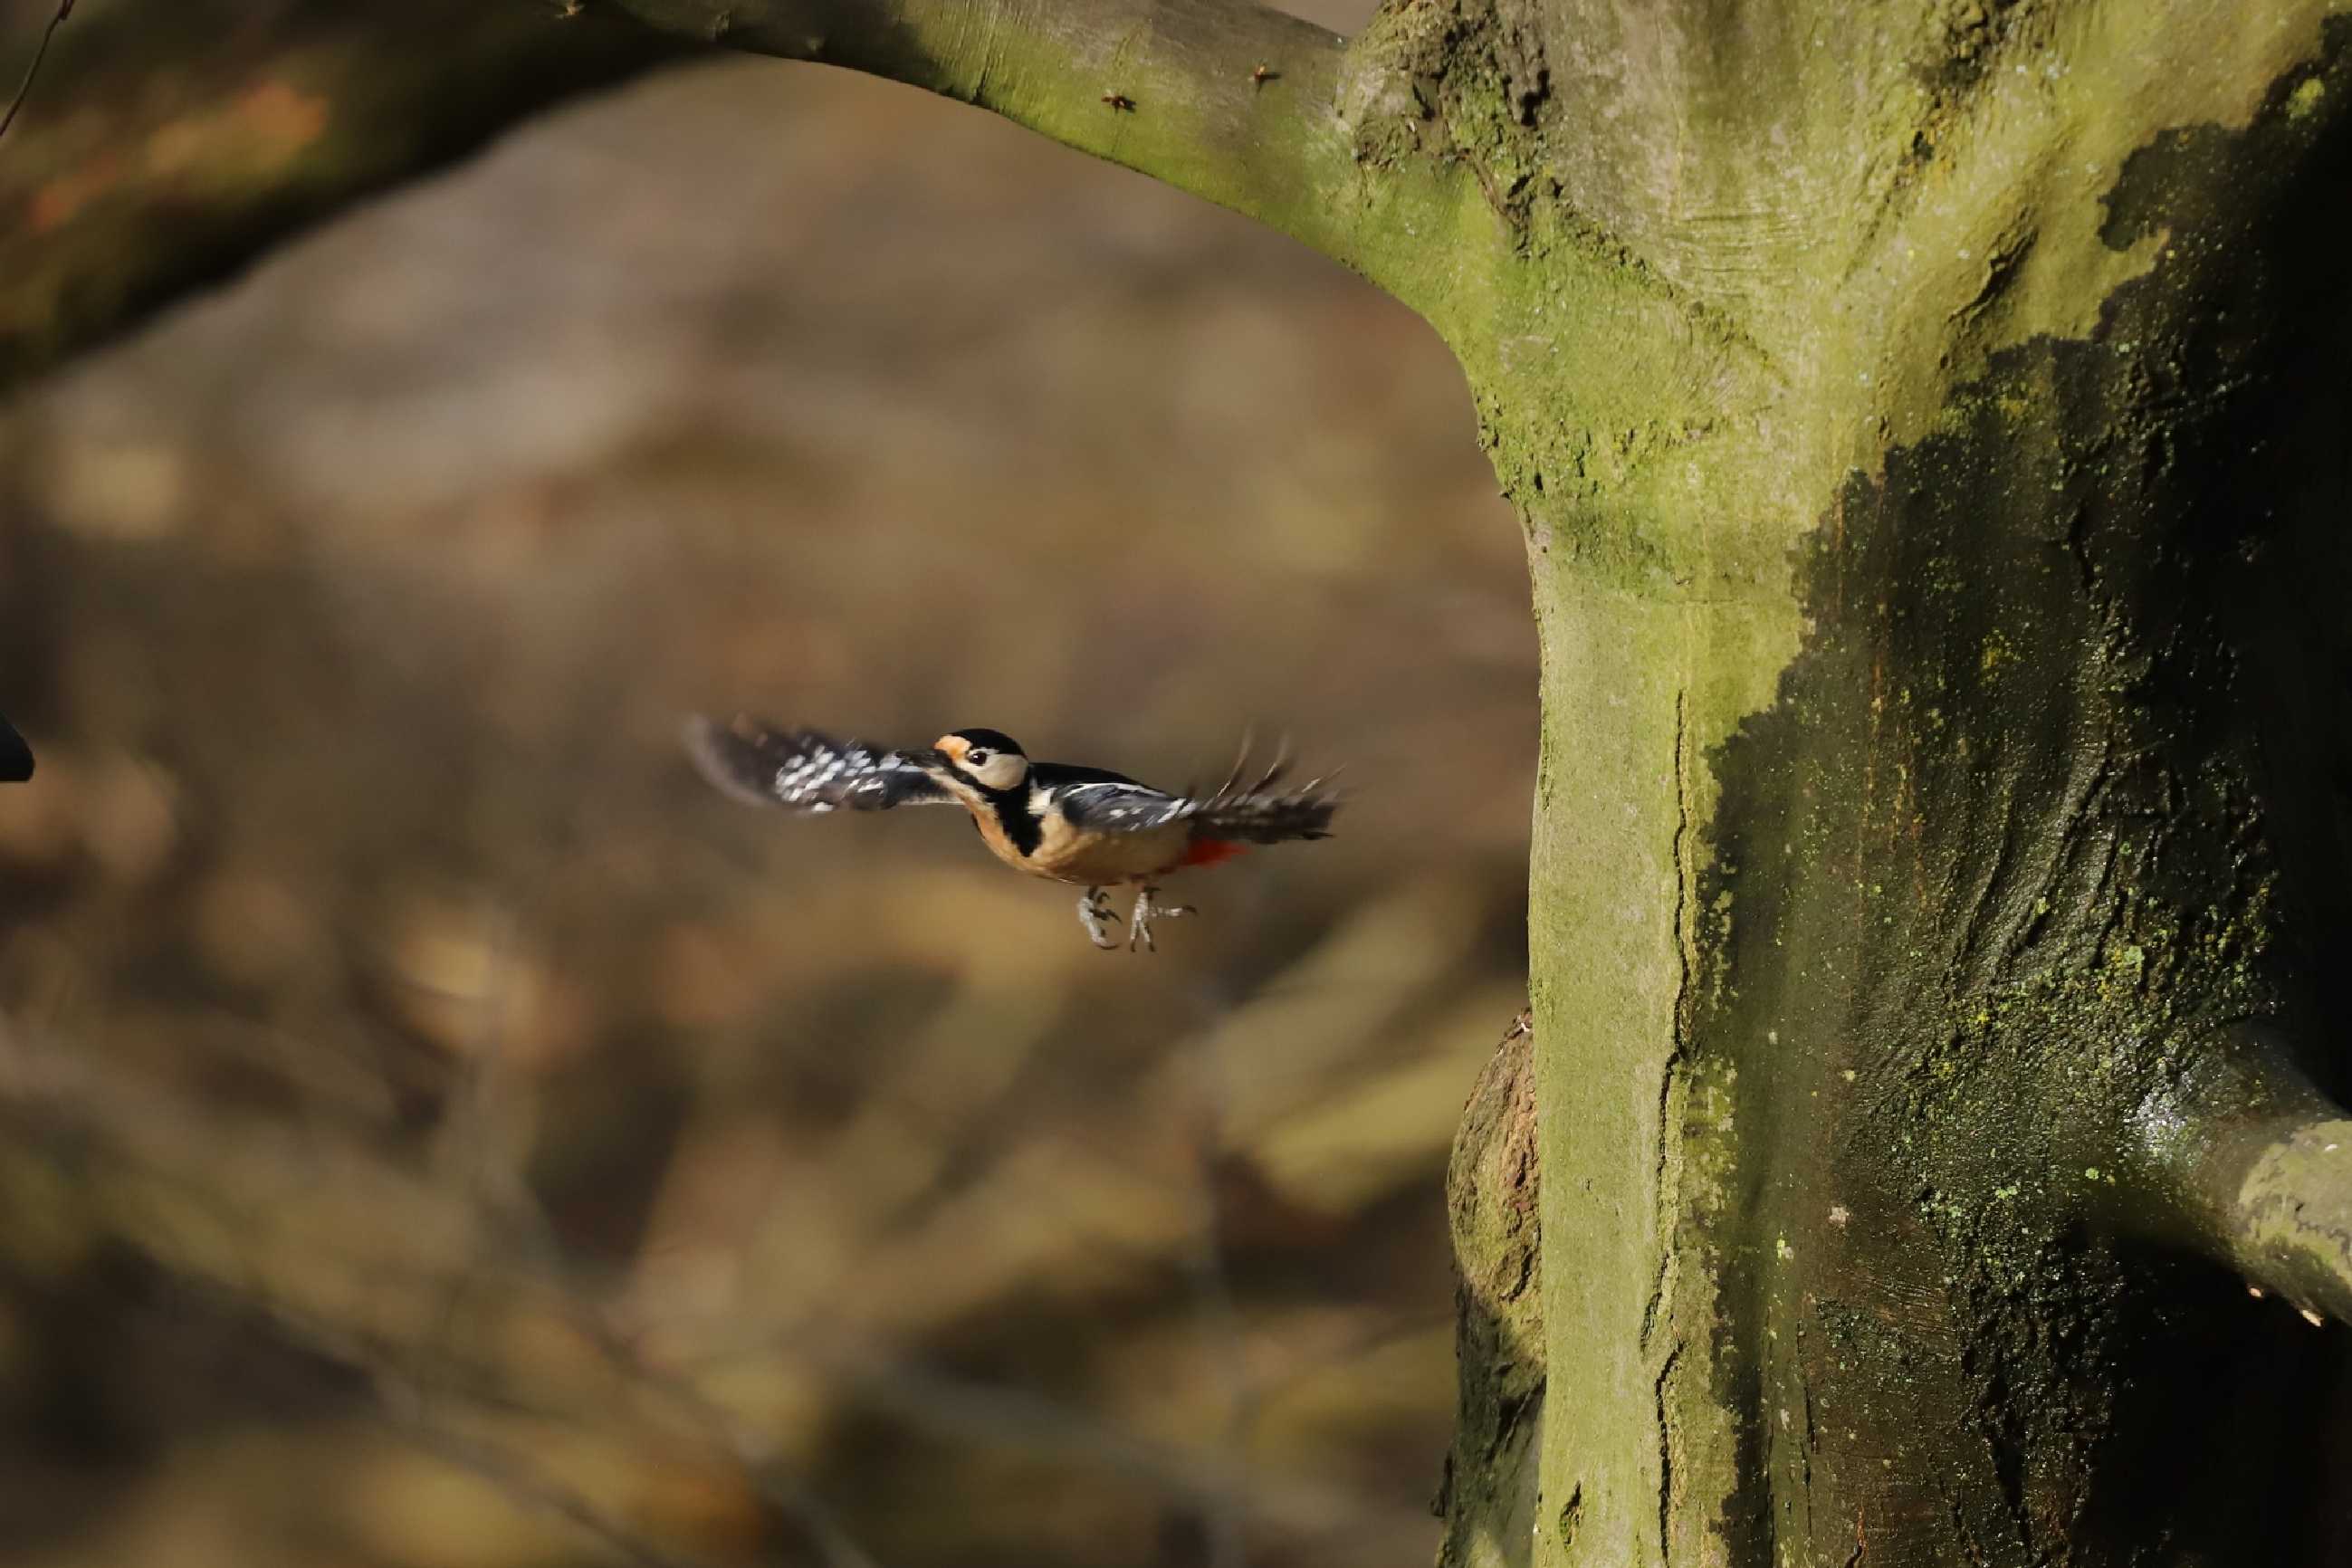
(1089, 859)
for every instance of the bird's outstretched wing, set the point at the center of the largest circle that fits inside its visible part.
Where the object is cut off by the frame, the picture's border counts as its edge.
(801, 770)
(1256, 813)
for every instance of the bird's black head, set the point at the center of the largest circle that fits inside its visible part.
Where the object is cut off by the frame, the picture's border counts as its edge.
(993, 740)
(989, 758)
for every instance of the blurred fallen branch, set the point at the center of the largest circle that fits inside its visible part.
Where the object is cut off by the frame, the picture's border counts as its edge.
(944, 1404)
(1214, 1305)
(458, 1296)
(518, 1478)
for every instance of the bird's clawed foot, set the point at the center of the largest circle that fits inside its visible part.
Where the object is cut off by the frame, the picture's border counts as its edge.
(1148, 908)
(1094, 913)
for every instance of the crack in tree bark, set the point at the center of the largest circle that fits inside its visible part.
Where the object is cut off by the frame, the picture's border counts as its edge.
(1671, 1073)
(1668, 1494)
(1659, 1311)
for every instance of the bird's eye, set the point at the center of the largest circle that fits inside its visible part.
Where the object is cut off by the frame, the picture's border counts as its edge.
(978, 756)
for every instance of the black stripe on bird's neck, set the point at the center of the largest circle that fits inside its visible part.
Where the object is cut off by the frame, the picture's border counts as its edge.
(1011, 808)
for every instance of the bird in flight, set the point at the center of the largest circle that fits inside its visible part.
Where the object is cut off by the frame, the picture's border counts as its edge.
(1086, 826)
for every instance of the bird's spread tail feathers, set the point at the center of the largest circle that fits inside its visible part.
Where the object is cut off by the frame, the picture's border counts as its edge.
(1256, 814)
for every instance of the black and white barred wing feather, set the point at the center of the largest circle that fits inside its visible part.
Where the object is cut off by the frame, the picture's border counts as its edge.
(805, 770)
(1256, 813)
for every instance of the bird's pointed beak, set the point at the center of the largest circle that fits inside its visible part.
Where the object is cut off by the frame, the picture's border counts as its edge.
(923, 757)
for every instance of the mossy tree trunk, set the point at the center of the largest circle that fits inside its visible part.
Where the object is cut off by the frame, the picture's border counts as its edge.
(1924, 417)
(1925, 421)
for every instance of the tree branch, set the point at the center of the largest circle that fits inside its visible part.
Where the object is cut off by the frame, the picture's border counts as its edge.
(33, 71)
(2259, 1162)
(174, 141)
(2291, 1218)
(1228, 99)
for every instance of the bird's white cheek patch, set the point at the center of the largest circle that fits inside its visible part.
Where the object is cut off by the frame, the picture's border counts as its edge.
(1001, 773)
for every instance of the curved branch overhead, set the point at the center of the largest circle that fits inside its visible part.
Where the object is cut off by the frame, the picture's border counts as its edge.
(1233, 102)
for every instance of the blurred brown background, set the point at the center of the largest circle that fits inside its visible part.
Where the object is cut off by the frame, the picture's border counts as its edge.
(442, 1131)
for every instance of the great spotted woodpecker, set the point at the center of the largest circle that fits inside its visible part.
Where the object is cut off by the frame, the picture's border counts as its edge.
(1086, 826)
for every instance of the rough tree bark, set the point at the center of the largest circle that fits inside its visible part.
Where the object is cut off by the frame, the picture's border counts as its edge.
(1924, 419)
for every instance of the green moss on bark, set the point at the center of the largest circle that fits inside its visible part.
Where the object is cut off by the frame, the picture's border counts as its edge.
(1882, 884)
